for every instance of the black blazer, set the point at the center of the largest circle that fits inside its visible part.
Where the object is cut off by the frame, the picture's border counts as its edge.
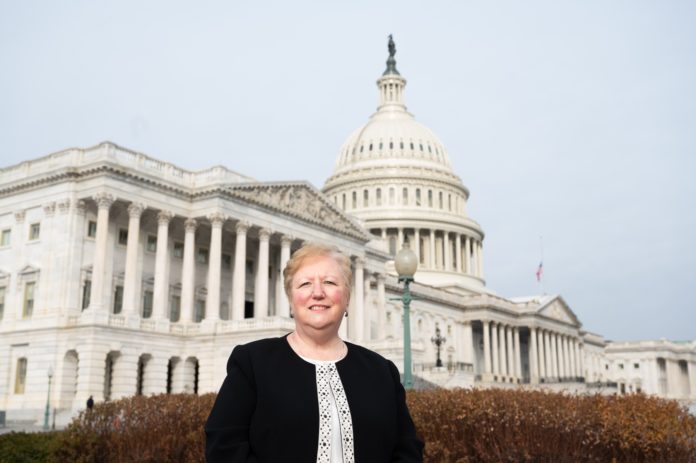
(267, 408)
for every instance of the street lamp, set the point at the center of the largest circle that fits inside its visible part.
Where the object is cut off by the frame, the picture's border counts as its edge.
(406, 264)
(48, 398)
(438, 340)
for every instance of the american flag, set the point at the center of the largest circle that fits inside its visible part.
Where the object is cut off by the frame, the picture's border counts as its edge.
(540, 270)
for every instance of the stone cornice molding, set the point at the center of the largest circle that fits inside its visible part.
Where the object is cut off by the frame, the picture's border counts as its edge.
(299, 200)
(370, 178)
(104, 200)
(164, 217)
(217, 219)
(49, 209)
(190, 225)
(135, 210)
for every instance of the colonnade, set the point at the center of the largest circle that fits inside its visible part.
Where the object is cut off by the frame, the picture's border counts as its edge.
(359, 325)
(554, 356)
(502, 356)
(439, 249)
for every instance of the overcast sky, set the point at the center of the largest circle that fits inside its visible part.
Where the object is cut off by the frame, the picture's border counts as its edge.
(575, 121)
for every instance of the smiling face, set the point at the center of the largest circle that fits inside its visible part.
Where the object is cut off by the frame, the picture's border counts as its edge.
(318, 295)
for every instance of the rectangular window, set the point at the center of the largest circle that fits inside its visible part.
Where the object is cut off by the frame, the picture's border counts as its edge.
(405, 196)
(92, 229)
(200, 310)
(86, 293)
(391, 196)
(34, 231)
(355, 200)
(440, 200)
(3, 291)
(122, 236)
(379, 196)
(418, 197)
(6, 237)
(178, 251)
(449, 202)
(202, 256)
(28, 299)
(430, 198)
(147, 304)
(226, 261)
(635, 365)
(151, 243)
(20, 376)
(175, 309)
(366, 198)
(118, 299)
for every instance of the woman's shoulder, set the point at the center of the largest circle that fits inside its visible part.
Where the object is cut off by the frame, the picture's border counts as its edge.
(365, 354)
(262, 346)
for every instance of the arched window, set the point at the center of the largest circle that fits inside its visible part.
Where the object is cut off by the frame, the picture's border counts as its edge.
(440, 200)
(379, 196)
(392, 196)
(418, 197)
(366, 198)
(355, 199)
(404, 197)
(430, 198)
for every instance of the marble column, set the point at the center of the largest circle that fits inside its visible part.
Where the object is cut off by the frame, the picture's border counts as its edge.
(212, 301)
(502, 329)
(468, 343)
(541, 364)
(416, 244)
(359, 303)
(261, 283)
(581, 359)
(239, 276)
(554, 356)
(160, 295)
(486, 348)
(479, 259)
(572, 356)
(533, 356)
(431, 250)
(104, 202)
(495, 345)
(381, 308)
(518, 354)
(283, 305)
(130, 277)
(566, 358)
(547, 356)
(511, 352)
(467, 251)
(188, 271)
(458, 250)
(399, 239)
(446, 250)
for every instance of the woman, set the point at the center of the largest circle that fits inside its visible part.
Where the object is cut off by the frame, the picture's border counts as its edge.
(310, 396)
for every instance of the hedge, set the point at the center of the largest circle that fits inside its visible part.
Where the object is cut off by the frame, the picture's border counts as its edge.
(458, 426)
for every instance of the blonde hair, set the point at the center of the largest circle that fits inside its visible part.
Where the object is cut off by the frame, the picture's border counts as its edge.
(311, 251)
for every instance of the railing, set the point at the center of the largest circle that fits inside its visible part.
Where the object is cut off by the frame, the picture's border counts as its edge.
(451, 367)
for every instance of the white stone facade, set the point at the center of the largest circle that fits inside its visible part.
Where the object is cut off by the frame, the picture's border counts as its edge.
(123, 275)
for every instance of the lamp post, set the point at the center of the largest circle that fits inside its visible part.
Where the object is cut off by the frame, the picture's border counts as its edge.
(406, 264)
(438, 340)
(48, 398)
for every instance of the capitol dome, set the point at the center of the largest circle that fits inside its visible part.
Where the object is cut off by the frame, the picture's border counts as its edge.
(394, 174)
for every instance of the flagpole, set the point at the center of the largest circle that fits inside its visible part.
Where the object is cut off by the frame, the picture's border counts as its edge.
(541, 260)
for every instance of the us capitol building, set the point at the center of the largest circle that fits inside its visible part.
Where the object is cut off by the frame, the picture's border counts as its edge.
(121, 274)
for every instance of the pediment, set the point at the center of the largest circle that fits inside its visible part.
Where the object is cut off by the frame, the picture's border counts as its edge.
(28, 269)
(300, 200)
(557, 309)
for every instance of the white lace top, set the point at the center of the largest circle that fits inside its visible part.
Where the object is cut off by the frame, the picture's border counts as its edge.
(335, 423)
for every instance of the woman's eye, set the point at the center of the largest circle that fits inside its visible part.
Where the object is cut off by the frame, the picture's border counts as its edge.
(329, 282)
(303, 284)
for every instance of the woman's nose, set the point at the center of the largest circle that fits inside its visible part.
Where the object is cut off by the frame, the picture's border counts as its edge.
(317, 290)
